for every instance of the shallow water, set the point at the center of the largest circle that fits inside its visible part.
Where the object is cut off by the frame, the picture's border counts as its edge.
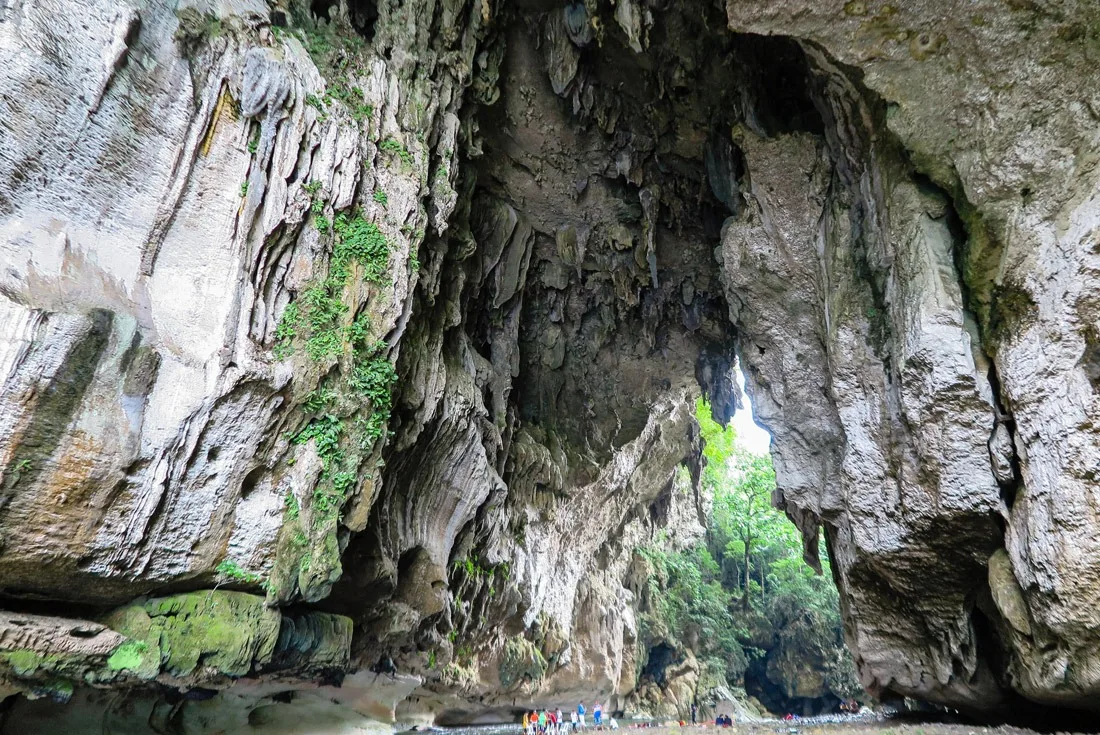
(869, 724)
(651, 726)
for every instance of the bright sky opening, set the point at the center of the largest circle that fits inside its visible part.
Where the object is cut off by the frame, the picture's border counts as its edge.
(750, 436)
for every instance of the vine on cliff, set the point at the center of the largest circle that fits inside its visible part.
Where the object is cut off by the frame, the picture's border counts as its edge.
(349, 413)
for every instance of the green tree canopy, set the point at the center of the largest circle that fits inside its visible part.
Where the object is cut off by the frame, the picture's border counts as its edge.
(745, 586)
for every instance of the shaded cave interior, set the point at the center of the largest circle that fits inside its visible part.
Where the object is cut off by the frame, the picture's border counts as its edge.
(582, 261)
(610, 160)
(361, 15)
(607, 175)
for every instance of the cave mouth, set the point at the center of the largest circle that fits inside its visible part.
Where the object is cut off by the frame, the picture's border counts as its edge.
(660, 658)
(598, 293)
(324, 9)
(598, 202)
(772, 695)
(363, 15)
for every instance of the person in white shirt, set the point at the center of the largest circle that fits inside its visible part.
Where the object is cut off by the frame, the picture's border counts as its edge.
(573, 719)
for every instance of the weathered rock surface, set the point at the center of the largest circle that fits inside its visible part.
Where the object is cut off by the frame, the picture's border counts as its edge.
(949, 319)
(396, 310)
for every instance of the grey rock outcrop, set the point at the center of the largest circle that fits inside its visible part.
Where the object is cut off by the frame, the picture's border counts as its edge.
(397, 310)
(976, 298)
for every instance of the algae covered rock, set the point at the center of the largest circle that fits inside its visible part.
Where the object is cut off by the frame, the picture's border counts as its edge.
(522, 661)
(209, 634)
(220, 630)
(207, 637)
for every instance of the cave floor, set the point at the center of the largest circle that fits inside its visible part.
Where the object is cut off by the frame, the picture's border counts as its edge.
(856, 727)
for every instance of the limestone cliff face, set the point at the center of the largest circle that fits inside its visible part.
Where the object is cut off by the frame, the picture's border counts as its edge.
(390, 314)
(940, 225)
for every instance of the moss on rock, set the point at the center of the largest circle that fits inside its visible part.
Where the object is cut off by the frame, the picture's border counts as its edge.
(522, 660)
(197, 638)
(25, 662)
(134, 656)
(229, 632)
(46, 655)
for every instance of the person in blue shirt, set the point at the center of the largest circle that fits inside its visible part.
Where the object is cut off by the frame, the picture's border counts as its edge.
(580, 714)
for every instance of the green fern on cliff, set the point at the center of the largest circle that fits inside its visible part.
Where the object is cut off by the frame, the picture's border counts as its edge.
(362, 241)
(351, 412)
(326, 431)
(374, 378)
(394, 147)
(287, 331)
(234, 571)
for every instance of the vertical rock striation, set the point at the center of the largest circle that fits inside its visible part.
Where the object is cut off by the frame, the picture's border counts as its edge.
(960, 378)
(388, 317)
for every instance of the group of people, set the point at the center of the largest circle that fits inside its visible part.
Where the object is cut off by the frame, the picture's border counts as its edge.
(552, 722)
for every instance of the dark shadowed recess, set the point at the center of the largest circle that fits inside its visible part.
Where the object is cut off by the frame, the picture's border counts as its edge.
(598, 338)
(361, 13)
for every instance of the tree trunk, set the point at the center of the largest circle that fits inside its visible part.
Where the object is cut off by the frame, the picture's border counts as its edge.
(748, 576)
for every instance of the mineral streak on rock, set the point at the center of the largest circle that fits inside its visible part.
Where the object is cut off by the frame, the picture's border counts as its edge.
(339, 332)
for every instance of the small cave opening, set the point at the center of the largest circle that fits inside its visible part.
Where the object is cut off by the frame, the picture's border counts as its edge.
(248, 484)
(776, 700)
(777, 86)
(408, 562)
(659, 508)
(323, 9)
(363, 15)
(661, 656)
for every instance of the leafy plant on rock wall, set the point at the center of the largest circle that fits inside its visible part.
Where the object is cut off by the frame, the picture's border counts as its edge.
(395, 148)
(320, 310)
(341, 55)
(287, 330)
(349, 413)
(235, 573)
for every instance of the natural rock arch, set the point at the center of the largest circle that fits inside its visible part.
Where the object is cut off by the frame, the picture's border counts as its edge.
(588, 212)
